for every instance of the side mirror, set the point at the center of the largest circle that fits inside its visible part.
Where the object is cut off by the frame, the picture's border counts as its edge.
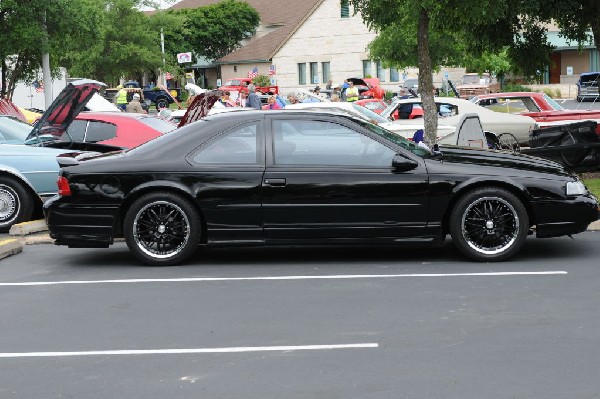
(402, 164)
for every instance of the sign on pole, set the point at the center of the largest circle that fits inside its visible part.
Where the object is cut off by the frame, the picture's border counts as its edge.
(184, 57)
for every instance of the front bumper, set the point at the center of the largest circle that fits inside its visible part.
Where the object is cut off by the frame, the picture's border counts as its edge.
(565, 217)
(80, 226)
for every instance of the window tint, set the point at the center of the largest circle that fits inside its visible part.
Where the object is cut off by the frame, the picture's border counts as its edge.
(76, 131)
(238, 146)
(13, 129)
(100, 131)
(319, 143)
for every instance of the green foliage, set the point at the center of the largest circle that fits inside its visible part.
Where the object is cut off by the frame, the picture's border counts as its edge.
(497, 64)
(515, 87)
(211, 31)
(388, 95)
(29, 28)
(261, 81)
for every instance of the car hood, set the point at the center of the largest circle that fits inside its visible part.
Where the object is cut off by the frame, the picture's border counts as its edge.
(65, 107)
(501, 159)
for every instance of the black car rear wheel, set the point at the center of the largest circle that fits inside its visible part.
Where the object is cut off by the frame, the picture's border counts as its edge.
(15, 204)
(162, 103)
(489, 224)
(162, 229)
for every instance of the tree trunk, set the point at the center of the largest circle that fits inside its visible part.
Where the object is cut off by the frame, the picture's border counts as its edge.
(426, 80)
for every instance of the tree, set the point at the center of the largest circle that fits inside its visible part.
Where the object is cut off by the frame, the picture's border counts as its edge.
(432, 33)
(29, 28)
(578, 20)
(126, 46)
(213, 31)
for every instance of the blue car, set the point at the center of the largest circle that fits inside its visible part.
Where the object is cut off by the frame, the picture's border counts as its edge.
(28, 165)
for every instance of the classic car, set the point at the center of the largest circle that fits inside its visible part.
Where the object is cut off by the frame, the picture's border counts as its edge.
(451, 109)
(376, 105)
(543, 109)
(406, 130)
(284, 177)
(28, 166)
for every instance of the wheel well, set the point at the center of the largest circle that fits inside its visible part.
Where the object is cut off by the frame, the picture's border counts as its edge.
(512, 189)
(127, 204)
(37, 206)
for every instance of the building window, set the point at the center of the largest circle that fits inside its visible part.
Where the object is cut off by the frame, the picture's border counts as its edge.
(326, 69)
(314, 72)
(380, 71)
(345, 12)
(394, 75)
(302, 74)
(367, 69)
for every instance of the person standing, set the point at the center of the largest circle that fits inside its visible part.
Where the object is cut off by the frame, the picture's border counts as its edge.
(134, 105)
(351, 92)
(253, 100)
(121, 98)
(242, 100)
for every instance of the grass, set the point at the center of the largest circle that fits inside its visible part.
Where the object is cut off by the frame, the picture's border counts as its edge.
(592, 182)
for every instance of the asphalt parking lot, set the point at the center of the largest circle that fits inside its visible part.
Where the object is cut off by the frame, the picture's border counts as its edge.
(302, 323)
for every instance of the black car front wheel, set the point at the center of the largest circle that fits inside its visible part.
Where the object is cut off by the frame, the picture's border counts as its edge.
(162, 228)
(15, 203)
(162, 103)
(489, 224)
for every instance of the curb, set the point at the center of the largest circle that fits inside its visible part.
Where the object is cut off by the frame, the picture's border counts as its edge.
(26, 228)
(10, 247)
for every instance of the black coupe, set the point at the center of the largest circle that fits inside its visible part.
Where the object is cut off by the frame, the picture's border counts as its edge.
(297, 177)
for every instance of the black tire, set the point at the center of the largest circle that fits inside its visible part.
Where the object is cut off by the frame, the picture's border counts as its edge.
(579, 99)
(162, 219)
(508, 142)
(571, 157)
(162, 103)
(16, 205)
(489, 224)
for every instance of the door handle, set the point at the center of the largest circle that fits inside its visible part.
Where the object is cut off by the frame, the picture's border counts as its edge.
(275, 182)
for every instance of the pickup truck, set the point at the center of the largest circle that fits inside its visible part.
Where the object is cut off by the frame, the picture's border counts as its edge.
(158, 96)
(239, 84)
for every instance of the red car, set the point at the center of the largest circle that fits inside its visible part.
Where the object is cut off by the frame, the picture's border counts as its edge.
(119, 129)
(374, 104)
(538, 106)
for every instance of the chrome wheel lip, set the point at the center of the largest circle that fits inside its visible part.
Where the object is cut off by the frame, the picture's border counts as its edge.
(9, 204)
(512, 237)
(143, 245)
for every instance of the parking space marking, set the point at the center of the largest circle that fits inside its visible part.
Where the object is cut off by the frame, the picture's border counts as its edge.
(188, 351)
(323, 277)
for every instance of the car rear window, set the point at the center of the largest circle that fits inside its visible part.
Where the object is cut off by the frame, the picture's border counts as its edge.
(590, 80)
(100, 131)
(158, 124)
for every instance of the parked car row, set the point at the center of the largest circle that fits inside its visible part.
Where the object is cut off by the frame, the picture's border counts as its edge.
(235, 178)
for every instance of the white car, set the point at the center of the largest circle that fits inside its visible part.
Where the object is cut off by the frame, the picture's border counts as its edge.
(406, 130)
(451, 109)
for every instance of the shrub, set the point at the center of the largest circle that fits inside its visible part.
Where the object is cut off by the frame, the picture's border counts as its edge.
(261, 81)
(515, 87)
(549, 92)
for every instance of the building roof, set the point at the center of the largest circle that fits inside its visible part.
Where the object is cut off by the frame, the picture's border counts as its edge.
(286, 15)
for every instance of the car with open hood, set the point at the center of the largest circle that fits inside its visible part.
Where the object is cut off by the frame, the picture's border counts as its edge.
(28, 165)
(294, 177)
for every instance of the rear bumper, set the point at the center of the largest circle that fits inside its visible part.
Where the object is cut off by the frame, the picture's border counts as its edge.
(80, 226)
(565, 217)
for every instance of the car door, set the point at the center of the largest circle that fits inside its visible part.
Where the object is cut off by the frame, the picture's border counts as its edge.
(329, 178)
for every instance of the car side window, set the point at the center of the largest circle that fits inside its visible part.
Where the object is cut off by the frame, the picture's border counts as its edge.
(237, 146)
(320, 143)
(76, 131)
(100, 131)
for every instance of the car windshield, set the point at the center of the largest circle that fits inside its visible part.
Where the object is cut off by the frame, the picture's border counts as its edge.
(13, 130)
(233, 82)
(370, 115)
(553, 103)
(158, 124)
(399, 140)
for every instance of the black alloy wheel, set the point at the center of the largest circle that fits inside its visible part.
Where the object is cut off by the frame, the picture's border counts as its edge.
(15, 204)
(162, 229)
(162, 103)
(489, 224)
(573, 157)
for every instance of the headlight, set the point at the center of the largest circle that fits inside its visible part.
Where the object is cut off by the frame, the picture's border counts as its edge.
(575, 188)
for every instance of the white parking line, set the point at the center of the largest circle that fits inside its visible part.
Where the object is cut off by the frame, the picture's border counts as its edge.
(187, 351)
(331, 277)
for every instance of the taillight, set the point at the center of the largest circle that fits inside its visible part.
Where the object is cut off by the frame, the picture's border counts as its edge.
(63, 186)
